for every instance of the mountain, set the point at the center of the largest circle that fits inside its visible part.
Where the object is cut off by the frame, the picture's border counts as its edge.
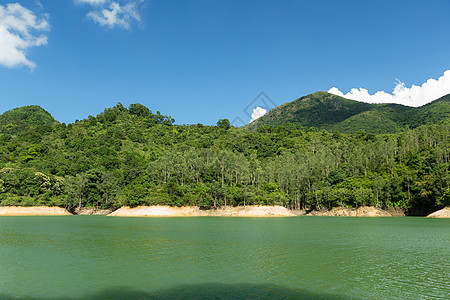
(334, 113)
(20, 120)
(131, 156)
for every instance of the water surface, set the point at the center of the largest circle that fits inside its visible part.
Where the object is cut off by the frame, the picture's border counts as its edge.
(96, 257)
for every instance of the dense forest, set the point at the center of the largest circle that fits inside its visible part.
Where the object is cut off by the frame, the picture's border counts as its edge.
(131, 156)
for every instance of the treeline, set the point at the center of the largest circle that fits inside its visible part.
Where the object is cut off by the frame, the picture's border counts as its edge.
(131, 156)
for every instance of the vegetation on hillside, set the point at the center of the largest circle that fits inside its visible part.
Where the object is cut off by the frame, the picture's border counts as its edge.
(22, 119)
(131, 156)
(333, 113)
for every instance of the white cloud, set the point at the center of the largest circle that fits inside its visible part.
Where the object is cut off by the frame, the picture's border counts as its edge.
(112, 14)
(92, 2)
(258, 112)
(18, 28)
(414, 96)
(39, 4)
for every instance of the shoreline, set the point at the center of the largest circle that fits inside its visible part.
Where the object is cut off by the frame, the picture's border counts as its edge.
(196, 211)
(442, 213)
(362, 211)
(251, 211)
(33, 211)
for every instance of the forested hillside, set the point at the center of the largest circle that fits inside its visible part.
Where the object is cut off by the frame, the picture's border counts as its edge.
(333, 113)
(131, 156)
(21, 120)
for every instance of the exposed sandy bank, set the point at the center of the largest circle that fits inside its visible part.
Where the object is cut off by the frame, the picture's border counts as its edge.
(168, 211)
(443, 213)
(253, 211)
(33, 211)
(363, 211)
(92, 211)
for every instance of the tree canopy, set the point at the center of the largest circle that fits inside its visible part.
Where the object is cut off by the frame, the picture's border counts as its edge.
(131, 156)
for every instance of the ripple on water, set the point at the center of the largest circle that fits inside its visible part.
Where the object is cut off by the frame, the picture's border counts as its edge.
(320, 257)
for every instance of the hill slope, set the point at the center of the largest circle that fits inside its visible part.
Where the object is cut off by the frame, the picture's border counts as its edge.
(334, 113)
(130, 156)
(21, 119)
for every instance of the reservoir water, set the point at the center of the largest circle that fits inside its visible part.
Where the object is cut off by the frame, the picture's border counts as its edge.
(98, 257)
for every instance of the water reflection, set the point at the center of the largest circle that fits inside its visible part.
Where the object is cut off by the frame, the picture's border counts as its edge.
(202, 291)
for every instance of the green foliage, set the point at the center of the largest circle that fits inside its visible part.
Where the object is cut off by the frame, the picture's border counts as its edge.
(224, 123)
(139, 110)
(135, 157)
(22, 119)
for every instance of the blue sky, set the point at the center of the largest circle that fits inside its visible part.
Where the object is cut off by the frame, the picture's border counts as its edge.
(203, 60)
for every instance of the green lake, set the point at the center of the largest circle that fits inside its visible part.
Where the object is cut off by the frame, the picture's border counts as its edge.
(95, 257)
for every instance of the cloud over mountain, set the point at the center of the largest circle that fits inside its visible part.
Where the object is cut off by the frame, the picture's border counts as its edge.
(258, 112)
(414, 96)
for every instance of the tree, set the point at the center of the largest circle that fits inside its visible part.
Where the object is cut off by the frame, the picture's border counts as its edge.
(109, 187)
(75, 190)
(139, 110)
(378, 185)
(363, 196)
(224, 123)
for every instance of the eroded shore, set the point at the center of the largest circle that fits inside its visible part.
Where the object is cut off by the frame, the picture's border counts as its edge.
(33, 211)
(443, 213)
(251, 211)
(362, 211)
(196, 211)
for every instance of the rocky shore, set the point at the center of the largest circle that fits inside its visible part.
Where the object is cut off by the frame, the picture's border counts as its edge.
(92, 211)
(443, 213)
(195, 211)
(363, 211)
(251, 211)
(33, 211)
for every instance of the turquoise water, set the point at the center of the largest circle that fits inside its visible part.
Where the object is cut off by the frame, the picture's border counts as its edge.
(95, 257)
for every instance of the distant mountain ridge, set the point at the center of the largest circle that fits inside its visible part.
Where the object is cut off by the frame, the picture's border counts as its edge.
(321, 110)
(334, 113)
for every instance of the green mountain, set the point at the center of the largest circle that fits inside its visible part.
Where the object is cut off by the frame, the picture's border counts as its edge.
(20, 120)
(334, 113)
(131, 156)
